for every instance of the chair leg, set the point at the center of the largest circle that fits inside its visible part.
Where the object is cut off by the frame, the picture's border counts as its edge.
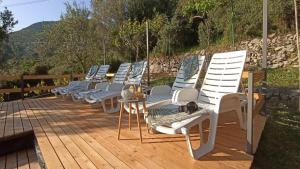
(203, 149)
(120, 120)
(103, 105)
(110, 109)
(138, 121)
(74, 98)
(112, 103)
(129, 116)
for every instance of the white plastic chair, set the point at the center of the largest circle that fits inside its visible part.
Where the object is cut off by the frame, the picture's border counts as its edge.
(119, 78)
(162, 95)
(218, 94)
(91, 73)
(114, 90)
(84, 85)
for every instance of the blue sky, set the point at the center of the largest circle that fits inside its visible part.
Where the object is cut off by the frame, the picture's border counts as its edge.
(28, 12)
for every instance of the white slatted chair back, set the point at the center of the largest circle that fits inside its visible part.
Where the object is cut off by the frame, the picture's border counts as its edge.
(222, 77)
(101, 73)
(92, 72)
(137, 79)
(180, 83)
(122, 72)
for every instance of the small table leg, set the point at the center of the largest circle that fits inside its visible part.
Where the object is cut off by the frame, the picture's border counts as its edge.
(145, 110)
(120, 120)
(129, 115)
(138, 120)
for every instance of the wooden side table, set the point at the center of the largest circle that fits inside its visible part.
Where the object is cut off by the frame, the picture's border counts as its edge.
(130, 102)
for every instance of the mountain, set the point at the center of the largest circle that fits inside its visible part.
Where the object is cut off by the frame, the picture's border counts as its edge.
(22, 43)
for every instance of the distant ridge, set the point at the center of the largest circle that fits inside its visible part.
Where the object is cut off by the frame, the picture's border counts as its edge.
(22, 43)
(37, 27)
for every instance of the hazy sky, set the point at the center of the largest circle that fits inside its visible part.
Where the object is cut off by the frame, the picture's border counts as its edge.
(28, 12)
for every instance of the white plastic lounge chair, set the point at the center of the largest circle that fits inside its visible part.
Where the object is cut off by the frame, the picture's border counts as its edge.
(218, 94)
(119, 78)
(84, 85)
(100, 76)
(114, 90)
(91, 73)
(161, 95)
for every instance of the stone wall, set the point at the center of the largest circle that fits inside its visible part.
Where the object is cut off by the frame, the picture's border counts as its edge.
(165, 65)
(281, 53)
(283, 95)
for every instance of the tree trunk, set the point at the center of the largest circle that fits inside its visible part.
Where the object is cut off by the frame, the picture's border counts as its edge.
(104, 52)
(137, 53)
(297, 39)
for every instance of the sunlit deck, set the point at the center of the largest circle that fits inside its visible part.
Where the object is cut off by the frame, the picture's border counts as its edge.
(77, 135)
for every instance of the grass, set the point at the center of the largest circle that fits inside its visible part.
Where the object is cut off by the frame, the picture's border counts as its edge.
(279, 146)
(276, 78)
(283, 77)
(163, 81)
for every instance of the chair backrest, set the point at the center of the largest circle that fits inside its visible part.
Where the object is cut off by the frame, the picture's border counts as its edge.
(92, 72)
(136, 78)
(222, 77)
(101, 73)
(122, 72)
(180, 82)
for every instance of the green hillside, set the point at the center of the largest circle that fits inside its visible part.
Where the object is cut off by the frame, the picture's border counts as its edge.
(23, 43)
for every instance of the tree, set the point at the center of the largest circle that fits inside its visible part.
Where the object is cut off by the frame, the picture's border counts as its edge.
(297, 39)
(72, 41)
(7, 22)
(199, 12)
(131, 34)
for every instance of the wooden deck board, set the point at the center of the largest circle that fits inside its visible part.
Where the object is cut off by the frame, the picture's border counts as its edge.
(32, 159)
(68, 137)
(11, 161)
(9, 121)
(18, 126)
(3, 118)
(60, 149)
(49, 154)
(23, 159)
(258, 123)
(72, 135)
(105, 152)
(1, 109)
(24, 118)
(2, 161)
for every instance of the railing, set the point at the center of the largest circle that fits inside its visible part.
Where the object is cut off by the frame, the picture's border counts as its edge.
(20, 81)
(22, 89)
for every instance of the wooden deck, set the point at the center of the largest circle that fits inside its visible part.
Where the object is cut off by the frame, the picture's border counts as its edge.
(74, 135)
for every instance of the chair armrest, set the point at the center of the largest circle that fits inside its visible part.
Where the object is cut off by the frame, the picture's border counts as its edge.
(181, 97)
(228, 102)
(160, 90)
